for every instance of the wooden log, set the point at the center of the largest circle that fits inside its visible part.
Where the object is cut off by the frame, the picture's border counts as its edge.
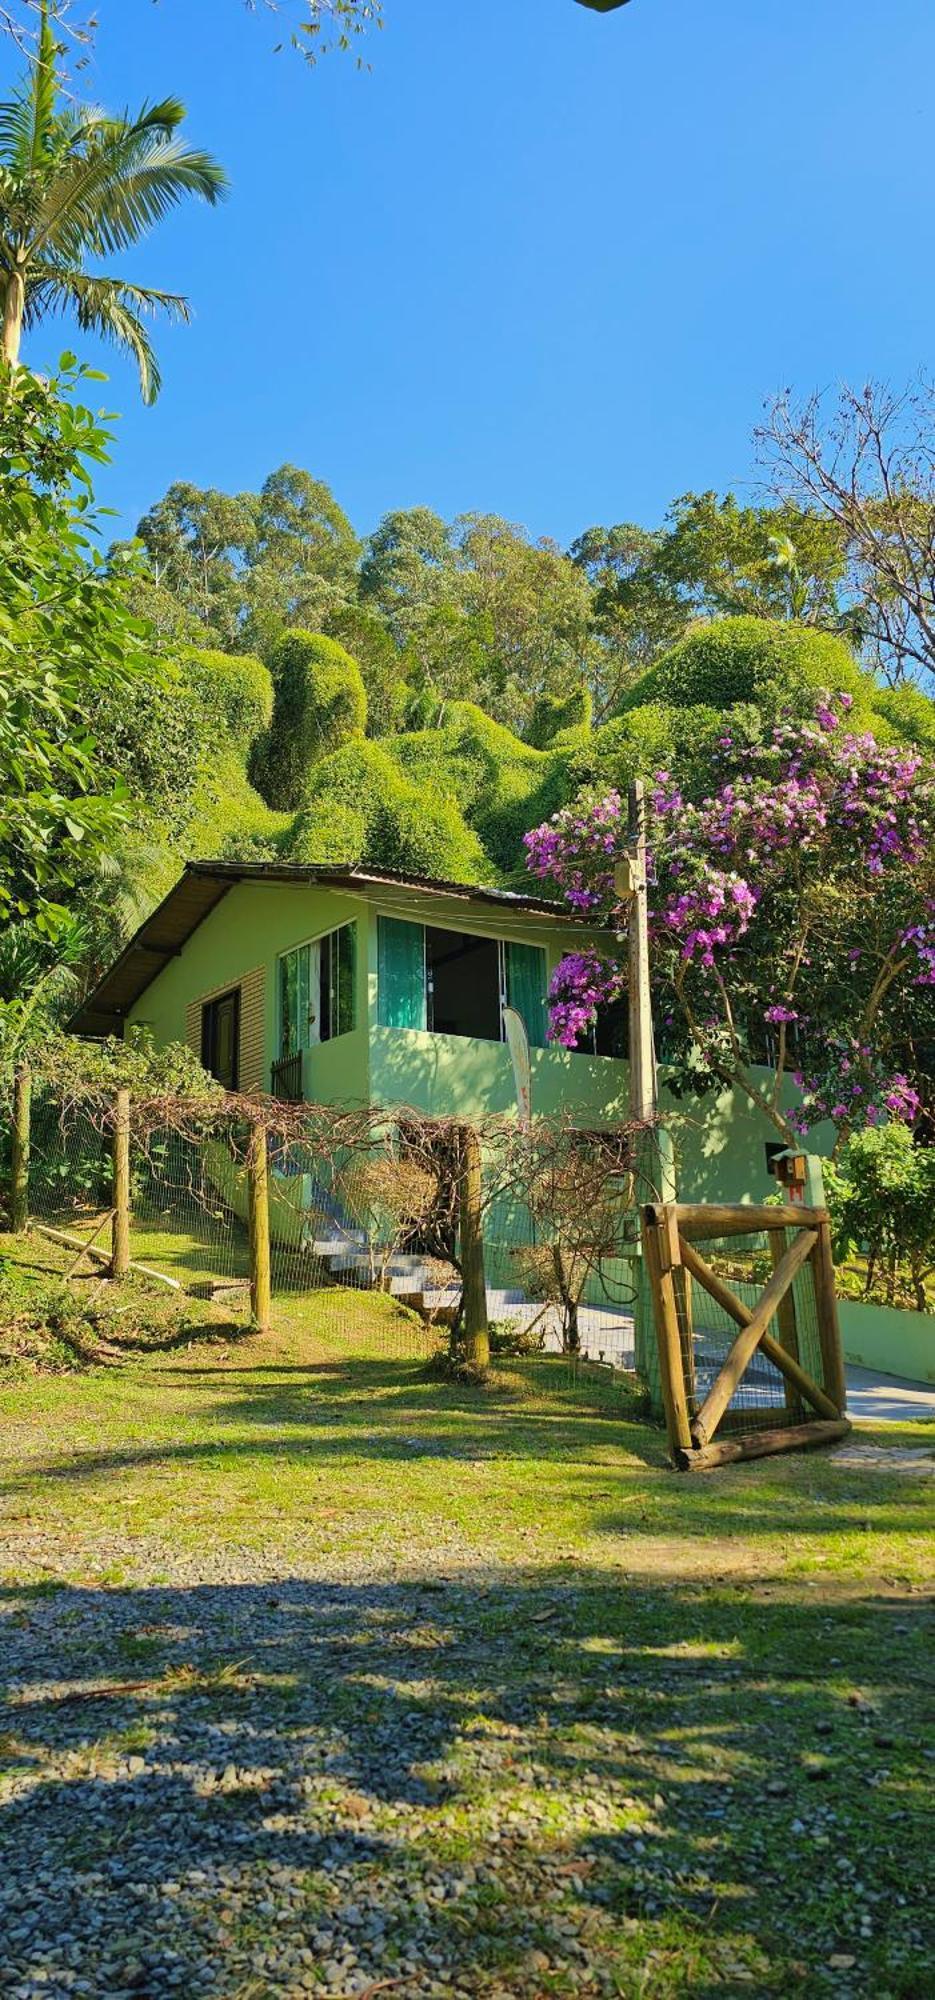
(88, 1249)
(791, 1371)
(473, 1280)
(120, 1233)
(721, 1391)
(668, 1343)
(787, 1324)
(698, 1220)
(762, 1444)
(88, 1243)
(258, 1230)
(829, 1327)
(19, 1150)
(682, 1279)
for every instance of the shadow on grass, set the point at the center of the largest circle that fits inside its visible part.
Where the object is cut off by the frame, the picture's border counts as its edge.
(452, 1777)
(354, 1415)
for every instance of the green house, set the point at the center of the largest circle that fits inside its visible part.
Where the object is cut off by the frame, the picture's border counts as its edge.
(354, 986)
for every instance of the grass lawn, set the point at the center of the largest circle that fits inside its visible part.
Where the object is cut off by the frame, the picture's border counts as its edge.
(325, 1678)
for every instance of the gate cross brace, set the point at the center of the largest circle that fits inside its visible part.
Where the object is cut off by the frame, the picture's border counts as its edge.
(753, 1334)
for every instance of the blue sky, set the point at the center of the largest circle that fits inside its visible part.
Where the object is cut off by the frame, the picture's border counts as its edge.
(538, 261)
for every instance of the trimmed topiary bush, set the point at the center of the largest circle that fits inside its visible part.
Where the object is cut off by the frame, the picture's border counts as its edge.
(361, 806)
(769, 663)
(319, 705)
(234, 692)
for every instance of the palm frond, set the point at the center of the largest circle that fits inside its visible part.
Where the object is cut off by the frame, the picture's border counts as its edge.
(26, 118)
(118, 183)
(111, 308)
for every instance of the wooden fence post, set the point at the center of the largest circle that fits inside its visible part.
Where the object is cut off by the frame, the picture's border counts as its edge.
(19, 1150)
(834, 1381)
(657, 1252)
(258, 1213)
(473, 1280)
(120, 1229)
(787, 1321)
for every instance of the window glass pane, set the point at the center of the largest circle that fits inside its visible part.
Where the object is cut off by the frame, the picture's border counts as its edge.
(343, 979)
(306, 1004)
(401, 964)
(325, 996)
(526, 988)
(463, 976)
(288, 1004)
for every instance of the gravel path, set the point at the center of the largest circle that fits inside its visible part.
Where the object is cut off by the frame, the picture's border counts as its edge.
(465, 1785)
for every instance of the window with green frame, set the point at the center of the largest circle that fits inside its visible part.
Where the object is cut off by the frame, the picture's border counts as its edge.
(318, 990)
(457, 982)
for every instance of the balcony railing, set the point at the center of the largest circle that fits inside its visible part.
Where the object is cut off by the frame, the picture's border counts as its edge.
(287, 1078)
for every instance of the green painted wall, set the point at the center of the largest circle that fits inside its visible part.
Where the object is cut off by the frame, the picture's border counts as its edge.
(898, 1343)
(719, 1140)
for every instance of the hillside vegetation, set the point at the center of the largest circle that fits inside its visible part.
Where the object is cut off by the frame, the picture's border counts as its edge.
(288, 769)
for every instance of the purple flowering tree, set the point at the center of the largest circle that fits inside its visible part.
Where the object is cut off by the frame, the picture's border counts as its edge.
(792, 917)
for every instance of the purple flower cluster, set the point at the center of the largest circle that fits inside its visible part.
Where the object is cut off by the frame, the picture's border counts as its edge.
(853, 1088)
(578, 848)
(582, 982)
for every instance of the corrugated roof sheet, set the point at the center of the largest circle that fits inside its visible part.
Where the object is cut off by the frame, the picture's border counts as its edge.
(204, 884)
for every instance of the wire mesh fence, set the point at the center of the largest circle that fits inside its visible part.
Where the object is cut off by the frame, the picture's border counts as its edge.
(366, 1224)
(746, 1341)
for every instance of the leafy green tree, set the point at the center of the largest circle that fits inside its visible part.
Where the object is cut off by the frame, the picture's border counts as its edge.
(302, 561)
(77, 185)
(199, 543)
(711, 559)
(68, 644)
(409, 570)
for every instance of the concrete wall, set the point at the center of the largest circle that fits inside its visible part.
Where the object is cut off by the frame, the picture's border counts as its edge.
(898, 1343)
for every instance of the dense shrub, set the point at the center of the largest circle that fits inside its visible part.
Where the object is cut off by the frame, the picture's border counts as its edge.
(360, 806)
(319, 705)
(235, 694)
(501, 785)
(909, 716)
(881, 1192)
(760, 660)
(560, 718)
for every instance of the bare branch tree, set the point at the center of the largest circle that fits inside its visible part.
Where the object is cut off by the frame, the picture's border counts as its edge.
(869, 465)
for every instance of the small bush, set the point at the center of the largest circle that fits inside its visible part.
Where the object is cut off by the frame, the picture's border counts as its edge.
(450, 1364)
(511, 1338)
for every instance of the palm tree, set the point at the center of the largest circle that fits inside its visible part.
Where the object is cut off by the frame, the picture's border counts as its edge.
(75, 186)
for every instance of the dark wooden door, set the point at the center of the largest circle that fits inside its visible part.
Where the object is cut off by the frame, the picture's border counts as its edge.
(220, 1038)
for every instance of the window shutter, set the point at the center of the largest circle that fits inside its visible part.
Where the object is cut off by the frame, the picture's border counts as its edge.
(525, 988)
(401, 967)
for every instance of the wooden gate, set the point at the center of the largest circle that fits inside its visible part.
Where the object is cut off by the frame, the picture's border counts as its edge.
(711, 1416)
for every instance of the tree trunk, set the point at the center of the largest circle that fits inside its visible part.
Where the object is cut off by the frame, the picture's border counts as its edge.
(571, 1337)
(14, 306)
(474, 1328)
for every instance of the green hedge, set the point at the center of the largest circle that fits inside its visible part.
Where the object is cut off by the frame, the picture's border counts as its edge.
(769, 663)
(319, 704)
(235, 694)
(360, 806)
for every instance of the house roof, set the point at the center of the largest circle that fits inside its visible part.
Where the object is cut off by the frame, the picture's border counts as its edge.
(204, 884)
